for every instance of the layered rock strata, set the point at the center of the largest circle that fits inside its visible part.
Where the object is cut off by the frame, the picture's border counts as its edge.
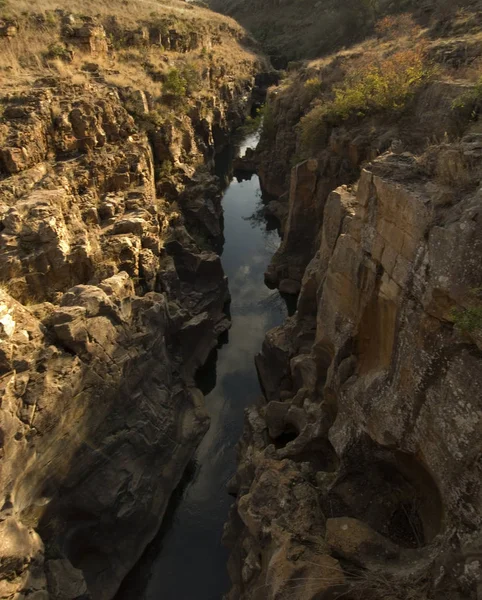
(112, 297)
(359, 473)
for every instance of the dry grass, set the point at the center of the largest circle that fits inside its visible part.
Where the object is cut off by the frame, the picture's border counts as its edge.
(24, 51)
(128, 11)
(24, 57)
(374, 585)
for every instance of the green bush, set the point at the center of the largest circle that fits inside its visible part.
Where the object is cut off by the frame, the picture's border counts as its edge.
(175, 83)
(386, 86)
(180, 83)
(252, 124)
(314, 128)
(312, 88)
(467, 106)
(164, 170)
(50, 18)
(191, 76)
(57, 51)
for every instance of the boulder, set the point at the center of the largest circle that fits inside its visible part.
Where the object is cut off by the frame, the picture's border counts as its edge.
(358, 542)
(64, 581)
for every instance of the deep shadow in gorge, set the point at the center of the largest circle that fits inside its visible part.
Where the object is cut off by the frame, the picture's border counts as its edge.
(187, 561)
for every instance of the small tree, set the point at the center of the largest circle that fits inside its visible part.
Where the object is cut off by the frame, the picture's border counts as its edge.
(175, 84)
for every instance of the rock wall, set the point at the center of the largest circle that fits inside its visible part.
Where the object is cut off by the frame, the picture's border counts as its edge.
(110, 301)
(298, 195)
(359, 475)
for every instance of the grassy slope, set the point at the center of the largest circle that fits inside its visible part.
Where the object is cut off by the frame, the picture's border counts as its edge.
(304, 111)
(22, 58)
(309, 28)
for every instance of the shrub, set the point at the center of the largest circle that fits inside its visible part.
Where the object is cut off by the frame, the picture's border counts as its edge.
(394, 26)
(191, 76)
(58, 52)
(252, 124)
(180, 83)
(50, 18)
(164, 170)
(386, 86)
(314, 129)
(312, 87)
(467, 106)
(175, 84)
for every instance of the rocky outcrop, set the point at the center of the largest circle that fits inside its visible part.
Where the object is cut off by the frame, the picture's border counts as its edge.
(373, 398)
(298, 194)
(97, 382)
(88, 35)
(112, 296)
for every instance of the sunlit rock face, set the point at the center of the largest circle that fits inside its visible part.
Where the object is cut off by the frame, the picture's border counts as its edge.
(112, 296)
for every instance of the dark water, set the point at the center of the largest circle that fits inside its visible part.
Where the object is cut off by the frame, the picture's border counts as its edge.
(187, 561)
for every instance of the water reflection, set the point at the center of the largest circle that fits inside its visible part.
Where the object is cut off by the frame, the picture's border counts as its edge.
(189, 562)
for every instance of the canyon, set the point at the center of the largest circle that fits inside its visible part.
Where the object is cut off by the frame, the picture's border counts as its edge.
(109, 305)
(359, 465)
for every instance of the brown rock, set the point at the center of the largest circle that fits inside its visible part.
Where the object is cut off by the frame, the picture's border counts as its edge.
(290, 287)
(65, 582)
(357, 542)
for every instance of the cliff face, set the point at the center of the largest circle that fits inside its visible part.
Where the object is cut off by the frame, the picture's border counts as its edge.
(359, 473)
(108, 304)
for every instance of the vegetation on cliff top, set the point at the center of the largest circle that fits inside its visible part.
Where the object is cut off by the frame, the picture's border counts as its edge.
(308, 28)
(370, 86)
(37, 42)
(168, 60)
(381, 80)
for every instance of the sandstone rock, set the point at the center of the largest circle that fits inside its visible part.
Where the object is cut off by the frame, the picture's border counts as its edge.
(65, 582)
(89, 37)
(304, 372)
(280, 486)
(303, 221)
(8, 28)
(357, 542)
(98, 415)
(290, 287)
(97, 369)
(380, 391)
(18, 546)
(292, 574)
(279, 210)
(196, 341)
(292, 549)
(273, 362)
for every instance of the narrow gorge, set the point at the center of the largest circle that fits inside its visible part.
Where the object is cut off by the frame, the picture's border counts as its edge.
(233, 369)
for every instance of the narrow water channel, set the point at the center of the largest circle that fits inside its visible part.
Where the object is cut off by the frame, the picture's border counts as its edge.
(187, 561)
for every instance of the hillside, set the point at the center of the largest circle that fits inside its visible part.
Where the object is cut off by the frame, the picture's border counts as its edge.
(299, 29)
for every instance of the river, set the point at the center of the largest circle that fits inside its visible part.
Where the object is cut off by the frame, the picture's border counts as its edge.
(187, 560)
